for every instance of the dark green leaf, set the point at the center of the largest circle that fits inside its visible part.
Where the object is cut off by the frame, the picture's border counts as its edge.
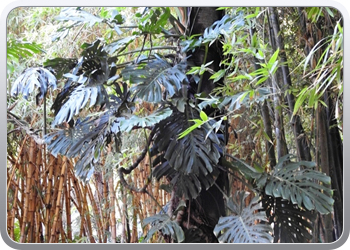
(164, 224)
(223, 26)
(236, 101)
(291, 223)
(199, 155)
(218, 75)
(77, 100)
(300, 184)
(197, 167)
(39, 77)
(149, 78)
(119, 45)
(78, 15)
(245, 224)
(147, 121)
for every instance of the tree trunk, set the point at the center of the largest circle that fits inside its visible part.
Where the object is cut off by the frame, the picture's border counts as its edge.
(299, 135)
(335, 165)
(200, 19)
(281, 145)
(210, 203)
(330, 143)
(267, 123)
(324, 162)
(268, 130)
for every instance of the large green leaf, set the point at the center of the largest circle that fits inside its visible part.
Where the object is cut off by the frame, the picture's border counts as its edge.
(187, 186)
(236, 101)
(291, 223)
(78, 15)
(84, 84)
(61, 65)
(153, 20)
(38, 77)
(146, 121)
(20, 49)
(164, 224)
(245, 98)
(246, 169)
(77, 100)
(299, 183)
(75, 16)
(150, 77)
(245, 224)
(222, 27)
(190, 163)
(119, 45)
(86, 138)
(83, 140)
(195, 153)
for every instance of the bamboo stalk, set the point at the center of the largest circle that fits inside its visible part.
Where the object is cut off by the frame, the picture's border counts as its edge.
(106, 205)
(134, 237)
(20, 157)
(48, 196)
(21, 153)
(123, 215)
(26, 220)
(34, 192)
(12, 212)
(41, 237)
(96, 215)
(98, 194)
(79, 202)
(82, 217)
(77, 193)
(21, 203)
(58, 204)
(67, 188)
(156, 196)
(112, 207)
(116, 201)
(88, 220)
(63, 233)
(39, 219)
(51, 197)
(141, 216)
(135, 202)
(36, 227)
(54, 195)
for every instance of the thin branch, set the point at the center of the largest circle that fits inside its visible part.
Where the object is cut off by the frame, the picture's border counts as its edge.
(114, 58)
(121, 171)
(143, 45)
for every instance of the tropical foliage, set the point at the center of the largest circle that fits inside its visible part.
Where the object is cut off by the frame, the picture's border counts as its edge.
(228, 121)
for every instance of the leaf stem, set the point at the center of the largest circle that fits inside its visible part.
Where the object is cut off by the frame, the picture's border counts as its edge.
(201, 77)
(114, 58)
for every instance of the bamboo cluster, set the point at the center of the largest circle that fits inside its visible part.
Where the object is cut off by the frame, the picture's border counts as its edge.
(47, 203)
